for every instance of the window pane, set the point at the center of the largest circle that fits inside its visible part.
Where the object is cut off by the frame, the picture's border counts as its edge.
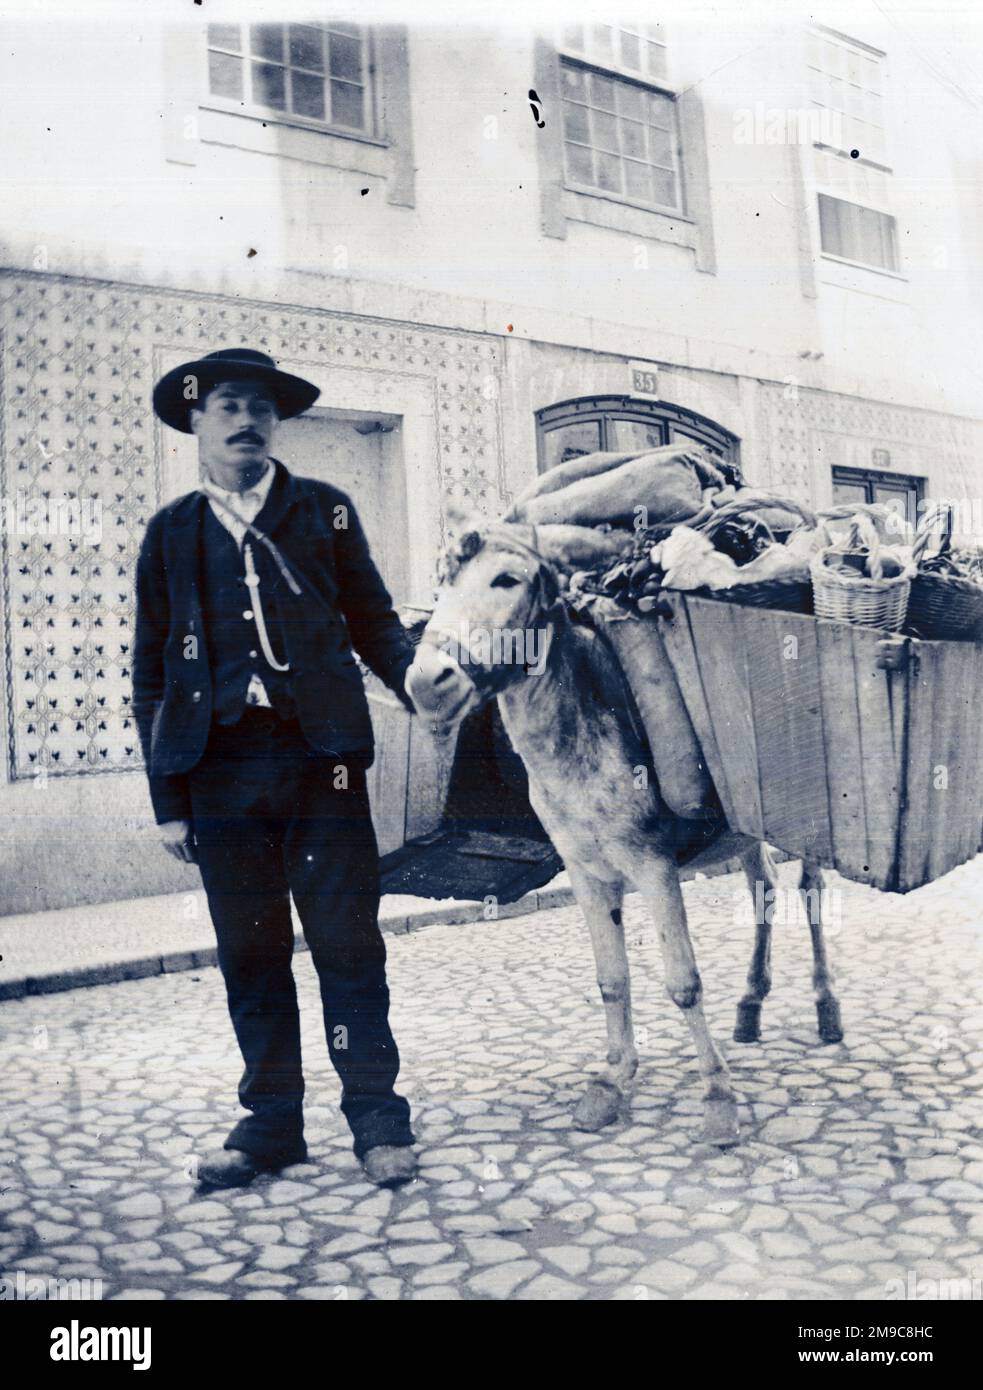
(631, 51)
(345, 58)
(601, 37)
(832, 233)
(268, 86)
(605, 131)
(225, 76)
(660, 146)
(225, 36)
(308, 95)
(266, 40)
(352, 30)
(574, 82)
(660, 110)
(626, 435)
(575, 122)
(716, 446)
(305, 47)
(573, 37)
(657, 60)
(608, 172)
(347, 105)
(602, 92)
(849, 492)
(631, 101)
(899, 499)
(580, 166)
(633, 139)
(638, 180)
(570, 441)
(664, 187)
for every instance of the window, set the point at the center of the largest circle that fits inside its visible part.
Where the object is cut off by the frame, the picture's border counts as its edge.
(856, 233)
(640, 51)
(309, 73)
(847, 84)
(621, 424)
(895, 490)
(852, 177)
(620, 129)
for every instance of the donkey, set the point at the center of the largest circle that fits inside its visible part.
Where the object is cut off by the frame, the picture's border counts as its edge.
(569, 717)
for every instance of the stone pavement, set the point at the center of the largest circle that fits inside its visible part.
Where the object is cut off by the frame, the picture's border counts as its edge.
(861, 1163)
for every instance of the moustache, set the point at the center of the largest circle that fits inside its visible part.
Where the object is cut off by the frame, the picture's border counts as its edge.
(245, 437)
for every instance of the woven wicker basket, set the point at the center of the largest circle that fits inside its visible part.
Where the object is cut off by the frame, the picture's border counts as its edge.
(943, 607)
(792, 595)
(865, 600)
(894, 529)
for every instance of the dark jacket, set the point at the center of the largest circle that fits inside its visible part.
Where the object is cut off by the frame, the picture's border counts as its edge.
(343, 603)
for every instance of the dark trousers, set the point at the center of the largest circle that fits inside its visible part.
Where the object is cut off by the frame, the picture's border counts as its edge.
(270, 819)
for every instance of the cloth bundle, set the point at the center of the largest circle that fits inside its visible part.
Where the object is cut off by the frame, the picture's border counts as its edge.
(659, 486)
(691, 561)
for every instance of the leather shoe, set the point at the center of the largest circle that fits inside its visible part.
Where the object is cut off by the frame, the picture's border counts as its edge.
(390, 1166)
(235, 1168)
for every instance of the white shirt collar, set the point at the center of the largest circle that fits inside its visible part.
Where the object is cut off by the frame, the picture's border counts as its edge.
(257, 494)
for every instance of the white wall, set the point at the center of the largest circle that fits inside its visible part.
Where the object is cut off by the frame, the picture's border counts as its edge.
(89, 189)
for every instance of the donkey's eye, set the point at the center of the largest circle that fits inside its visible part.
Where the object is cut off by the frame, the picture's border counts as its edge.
(505, 581)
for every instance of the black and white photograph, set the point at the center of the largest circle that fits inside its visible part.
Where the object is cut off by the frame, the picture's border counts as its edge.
(491, 679)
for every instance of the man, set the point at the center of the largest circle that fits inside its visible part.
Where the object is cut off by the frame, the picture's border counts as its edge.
(256, 735)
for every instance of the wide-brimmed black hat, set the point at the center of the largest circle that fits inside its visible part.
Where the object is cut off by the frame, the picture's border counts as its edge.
(292, 394)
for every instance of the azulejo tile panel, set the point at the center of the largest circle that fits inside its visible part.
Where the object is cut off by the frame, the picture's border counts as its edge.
(804, 432)
(80, 475)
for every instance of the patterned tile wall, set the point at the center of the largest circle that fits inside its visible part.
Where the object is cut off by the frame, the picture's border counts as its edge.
(804, 433)
(77, 375)
(77, 372)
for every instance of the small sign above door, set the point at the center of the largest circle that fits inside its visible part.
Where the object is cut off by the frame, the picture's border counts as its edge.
(644, 378)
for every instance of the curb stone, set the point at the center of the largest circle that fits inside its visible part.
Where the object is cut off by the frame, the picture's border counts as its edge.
(173, 962)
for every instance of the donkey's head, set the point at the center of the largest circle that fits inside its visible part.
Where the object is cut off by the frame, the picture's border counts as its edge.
(492, 624)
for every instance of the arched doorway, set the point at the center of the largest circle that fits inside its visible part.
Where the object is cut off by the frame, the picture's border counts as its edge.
(623, 424)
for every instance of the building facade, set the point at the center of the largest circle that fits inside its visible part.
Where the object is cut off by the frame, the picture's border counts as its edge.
(491, 250)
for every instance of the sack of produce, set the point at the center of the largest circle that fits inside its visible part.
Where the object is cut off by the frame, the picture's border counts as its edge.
(684, 782)
(581, 547)
(727, 549)
(666, 485)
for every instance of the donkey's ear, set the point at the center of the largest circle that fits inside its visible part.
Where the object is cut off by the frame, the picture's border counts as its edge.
(457, 516)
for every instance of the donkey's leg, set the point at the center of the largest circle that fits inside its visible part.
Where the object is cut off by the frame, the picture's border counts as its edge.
(762, 879)
(600, 903)
(827, 1004)
(658, 879)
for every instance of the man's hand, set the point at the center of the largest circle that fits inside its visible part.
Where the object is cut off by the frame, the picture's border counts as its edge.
(177, 838)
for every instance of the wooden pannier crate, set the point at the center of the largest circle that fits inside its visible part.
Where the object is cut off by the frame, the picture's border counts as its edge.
(836, 743)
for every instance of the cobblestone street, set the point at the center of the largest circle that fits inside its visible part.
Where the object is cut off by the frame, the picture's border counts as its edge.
(860, 1163)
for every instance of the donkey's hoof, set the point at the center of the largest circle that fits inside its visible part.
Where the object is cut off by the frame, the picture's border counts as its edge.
(830, 1024)
(600, 1105)
(747, 1029)
(720, 1126)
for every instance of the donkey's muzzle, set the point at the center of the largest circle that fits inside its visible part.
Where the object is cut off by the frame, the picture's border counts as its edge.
(442, 693)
